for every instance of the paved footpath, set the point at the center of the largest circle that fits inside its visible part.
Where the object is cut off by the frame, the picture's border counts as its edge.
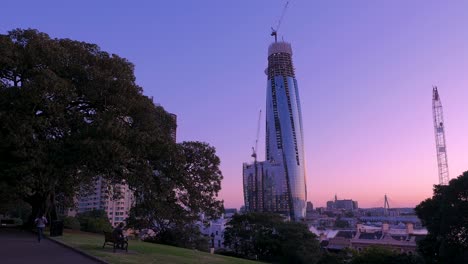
(21, 247)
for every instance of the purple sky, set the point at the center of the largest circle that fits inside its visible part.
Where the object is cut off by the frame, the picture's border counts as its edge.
(365, 71)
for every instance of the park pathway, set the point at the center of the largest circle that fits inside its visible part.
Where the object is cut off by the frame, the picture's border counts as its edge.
(21, 247)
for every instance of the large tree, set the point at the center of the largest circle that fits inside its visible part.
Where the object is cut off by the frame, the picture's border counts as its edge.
(181, 190)
(445, 216)
(270, 237)
(70, 112)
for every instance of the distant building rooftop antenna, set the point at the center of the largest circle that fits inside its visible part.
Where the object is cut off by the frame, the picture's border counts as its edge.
(274, 31)
(386, 205)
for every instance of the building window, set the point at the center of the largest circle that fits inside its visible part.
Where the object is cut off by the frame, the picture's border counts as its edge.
(219, 243)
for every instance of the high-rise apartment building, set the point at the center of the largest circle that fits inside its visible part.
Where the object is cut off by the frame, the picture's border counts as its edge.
(279, 183)
(104, 197)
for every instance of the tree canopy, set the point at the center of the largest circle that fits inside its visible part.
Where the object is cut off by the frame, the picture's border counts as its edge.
(378, 255)
(70, 112)
(269, 237)
(445, 216)
(180, 193)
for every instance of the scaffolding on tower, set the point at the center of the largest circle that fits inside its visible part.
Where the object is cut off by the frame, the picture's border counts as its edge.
(439, 130)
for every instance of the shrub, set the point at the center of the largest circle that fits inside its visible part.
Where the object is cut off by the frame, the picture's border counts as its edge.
(185, 236)
(18, 221)
(71, 223)
(95, 221)
(229, 253)
(98, 225)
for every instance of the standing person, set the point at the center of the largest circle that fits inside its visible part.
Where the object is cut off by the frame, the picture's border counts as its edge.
(40, 222)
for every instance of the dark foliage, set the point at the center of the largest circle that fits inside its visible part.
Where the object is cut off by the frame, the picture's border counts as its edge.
(341, 223)
(269, 237)
(71, 223)
(182, 236)
(229, 253)
(177, 194)
(445, 216)
(70, 112)
(95, 221)
(377, 255)
(330, 258)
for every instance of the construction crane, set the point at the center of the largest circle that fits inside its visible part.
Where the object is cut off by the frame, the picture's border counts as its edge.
(439, 130)
(274, 31)
(254, 149)
(257, 188)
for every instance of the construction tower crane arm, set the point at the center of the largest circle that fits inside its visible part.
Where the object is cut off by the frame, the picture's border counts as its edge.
(254, 149)
(274, 31)
(439, 129)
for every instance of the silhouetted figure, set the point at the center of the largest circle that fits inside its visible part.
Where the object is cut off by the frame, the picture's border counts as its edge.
(117, 234)
(40, 222)
(212, 240)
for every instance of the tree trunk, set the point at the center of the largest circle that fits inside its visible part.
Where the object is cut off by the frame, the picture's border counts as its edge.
(41, 204)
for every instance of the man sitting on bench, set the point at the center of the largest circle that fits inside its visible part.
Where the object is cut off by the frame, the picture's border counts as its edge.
(117, 234)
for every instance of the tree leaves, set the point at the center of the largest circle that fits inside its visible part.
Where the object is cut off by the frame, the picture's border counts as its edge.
(69, 113)
(446, 217)
(269, 237)
(183, 187)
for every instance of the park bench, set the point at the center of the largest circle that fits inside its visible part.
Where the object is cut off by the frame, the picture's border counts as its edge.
(7, 222)
(109, 239)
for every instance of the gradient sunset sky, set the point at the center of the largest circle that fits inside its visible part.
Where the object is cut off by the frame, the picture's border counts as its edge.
(365, 71)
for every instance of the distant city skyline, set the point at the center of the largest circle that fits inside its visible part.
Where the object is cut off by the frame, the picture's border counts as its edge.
(365, 69)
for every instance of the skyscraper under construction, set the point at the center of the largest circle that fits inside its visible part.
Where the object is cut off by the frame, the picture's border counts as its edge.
(279, 183)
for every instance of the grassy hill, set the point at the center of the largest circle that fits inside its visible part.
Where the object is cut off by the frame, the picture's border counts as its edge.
(142, 252)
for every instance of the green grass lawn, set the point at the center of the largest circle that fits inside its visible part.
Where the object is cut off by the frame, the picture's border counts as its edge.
(142, 252)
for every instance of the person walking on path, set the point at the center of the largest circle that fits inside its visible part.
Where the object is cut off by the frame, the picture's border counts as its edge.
(40, 222)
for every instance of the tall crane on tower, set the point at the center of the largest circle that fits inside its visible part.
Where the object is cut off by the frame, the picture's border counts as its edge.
(254, 149)
(257, 181)
(439, 129)
(274, 31)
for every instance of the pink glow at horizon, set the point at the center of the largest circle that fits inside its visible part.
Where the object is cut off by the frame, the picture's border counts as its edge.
(365, 71)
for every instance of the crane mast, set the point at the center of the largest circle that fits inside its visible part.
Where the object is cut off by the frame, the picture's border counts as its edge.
(254, 149)
(439, 130)
(274, 31)
(257, 181)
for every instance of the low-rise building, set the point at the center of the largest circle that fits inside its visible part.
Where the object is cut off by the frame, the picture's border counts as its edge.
(396, 240)
(341, 240)
(215, 228)
(345, 204)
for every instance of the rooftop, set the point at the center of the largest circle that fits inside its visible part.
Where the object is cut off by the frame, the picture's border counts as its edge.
(279, 47)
